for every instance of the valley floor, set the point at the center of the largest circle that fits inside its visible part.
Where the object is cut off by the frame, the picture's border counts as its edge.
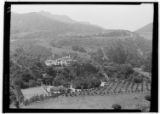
(127, 101)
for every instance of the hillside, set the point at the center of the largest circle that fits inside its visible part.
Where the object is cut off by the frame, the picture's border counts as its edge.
(45, 25)
(61, 18)
(89, 62)
(60, 33)
(146, 31)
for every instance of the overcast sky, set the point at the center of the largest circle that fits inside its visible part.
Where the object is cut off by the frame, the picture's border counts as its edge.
(128, 17)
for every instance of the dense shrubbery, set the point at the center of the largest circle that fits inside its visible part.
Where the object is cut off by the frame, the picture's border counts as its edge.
(26, 66)
(88, 80)
(83, 75)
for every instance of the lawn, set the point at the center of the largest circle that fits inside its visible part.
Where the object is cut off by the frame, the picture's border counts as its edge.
(28, 93)
(127, 101)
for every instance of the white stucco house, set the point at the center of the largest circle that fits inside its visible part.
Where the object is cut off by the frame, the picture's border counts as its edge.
(64, 61)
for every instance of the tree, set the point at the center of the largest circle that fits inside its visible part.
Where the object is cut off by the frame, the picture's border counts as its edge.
(138, 79)
(148, 63)
(51, 71)
(86, 81)
(120, 71)
(100, 53)
(117, 52)
(15, 83)
(98, 56)
(126, 70)
(24, 66)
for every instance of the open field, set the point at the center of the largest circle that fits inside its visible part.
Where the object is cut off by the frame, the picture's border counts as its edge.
(127, 101)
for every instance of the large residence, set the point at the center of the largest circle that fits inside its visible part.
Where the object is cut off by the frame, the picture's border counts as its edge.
(64, 61)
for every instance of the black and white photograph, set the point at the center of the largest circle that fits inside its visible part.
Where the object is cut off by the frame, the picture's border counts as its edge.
(81, 56)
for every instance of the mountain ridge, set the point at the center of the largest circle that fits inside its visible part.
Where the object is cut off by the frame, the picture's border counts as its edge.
(146, 31)
(30, 22)
(46, 25)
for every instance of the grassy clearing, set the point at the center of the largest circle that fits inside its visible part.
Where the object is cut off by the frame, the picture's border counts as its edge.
(28, 93)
